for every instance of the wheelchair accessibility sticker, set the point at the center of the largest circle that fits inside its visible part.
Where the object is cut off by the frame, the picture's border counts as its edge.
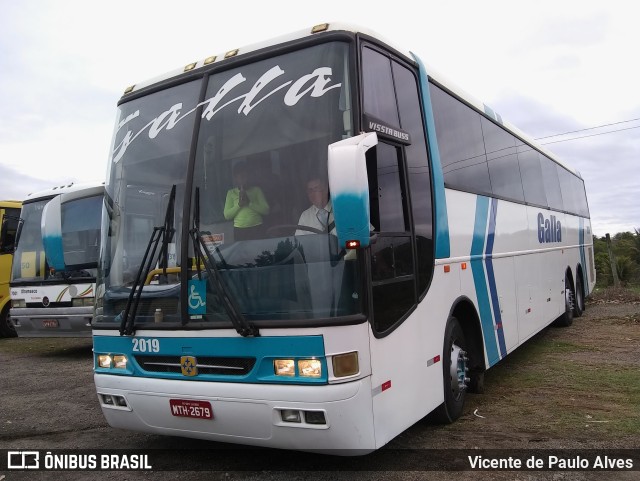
(197, 296)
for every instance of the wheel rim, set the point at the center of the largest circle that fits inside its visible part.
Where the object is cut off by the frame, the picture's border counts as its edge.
(568, 299)
(458, 371)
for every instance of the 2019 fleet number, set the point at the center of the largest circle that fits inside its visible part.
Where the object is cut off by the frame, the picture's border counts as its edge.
(146, 345)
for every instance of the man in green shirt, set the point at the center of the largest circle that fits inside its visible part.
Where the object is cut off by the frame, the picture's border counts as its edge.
(245, 205)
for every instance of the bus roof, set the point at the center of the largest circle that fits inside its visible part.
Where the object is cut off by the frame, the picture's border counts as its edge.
(355, 29)
(221, 57)
(10, 204)
(62, 189)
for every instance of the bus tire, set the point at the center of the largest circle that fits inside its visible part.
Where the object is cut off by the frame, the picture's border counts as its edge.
(566, 319)
(578, 307)
(476, 385)
(454, 370)
(7, 329)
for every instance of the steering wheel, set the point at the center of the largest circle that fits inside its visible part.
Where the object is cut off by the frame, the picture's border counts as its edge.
(276, 228)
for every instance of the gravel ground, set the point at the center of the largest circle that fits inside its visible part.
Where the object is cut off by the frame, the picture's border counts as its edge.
(48, 401)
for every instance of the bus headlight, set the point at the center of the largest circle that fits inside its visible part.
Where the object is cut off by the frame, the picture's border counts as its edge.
(104, 361)
(284, 367)
(310, 368)
(82, 301)
(346, 364)
(120, 361)
(18, 303)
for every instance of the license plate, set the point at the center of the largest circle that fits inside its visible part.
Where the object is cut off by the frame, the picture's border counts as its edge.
(50, 323)
(191, 409)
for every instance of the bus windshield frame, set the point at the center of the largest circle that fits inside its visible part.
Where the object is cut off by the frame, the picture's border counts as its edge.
(273, 119)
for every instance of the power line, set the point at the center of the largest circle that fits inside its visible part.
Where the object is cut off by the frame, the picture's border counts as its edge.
(590, 128)
(585, 136)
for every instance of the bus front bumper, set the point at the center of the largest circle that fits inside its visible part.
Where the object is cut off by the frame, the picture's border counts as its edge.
(56, 322)
(244, 413)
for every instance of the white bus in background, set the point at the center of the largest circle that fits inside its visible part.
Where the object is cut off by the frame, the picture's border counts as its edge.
(54, 297)
(481, 238)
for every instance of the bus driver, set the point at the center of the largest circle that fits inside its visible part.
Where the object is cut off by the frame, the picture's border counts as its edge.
(320, 214)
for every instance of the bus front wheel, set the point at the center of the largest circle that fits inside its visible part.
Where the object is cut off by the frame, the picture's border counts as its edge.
(7, 328)
(455, 369)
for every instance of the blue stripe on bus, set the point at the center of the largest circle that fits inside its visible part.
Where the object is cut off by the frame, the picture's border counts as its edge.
(477, 268)
(497, 316)
(441, 222)
(583, 257)
(264, 349)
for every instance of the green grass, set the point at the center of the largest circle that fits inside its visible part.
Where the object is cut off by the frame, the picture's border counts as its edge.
(551, 385)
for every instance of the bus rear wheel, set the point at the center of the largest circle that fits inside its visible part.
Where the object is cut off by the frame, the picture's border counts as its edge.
(455, 369)
(566, 319)
(7, 329)
(578, 307)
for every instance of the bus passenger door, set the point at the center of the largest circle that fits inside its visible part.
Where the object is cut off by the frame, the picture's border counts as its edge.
(393, 297)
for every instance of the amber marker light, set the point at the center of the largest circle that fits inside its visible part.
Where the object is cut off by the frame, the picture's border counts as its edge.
(346, 364)
(320, 28)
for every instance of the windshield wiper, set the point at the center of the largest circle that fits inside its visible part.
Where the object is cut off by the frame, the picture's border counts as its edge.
(165, 232)
(201, 253)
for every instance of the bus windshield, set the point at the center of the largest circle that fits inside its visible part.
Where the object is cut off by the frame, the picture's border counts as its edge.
(80, 220)
(29, 259)
(257, 144)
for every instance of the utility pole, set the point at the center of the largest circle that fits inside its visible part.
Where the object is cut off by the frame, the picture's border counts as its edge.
(612, 260)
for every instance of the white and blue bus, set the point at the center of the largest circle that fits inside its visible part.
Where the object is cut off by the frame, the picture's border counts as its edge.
(53, 295)
(456, 239)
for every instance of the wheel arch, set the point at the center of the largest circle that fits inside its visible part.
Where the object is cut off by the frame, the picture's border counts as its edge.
(568, 274)
(465, 311)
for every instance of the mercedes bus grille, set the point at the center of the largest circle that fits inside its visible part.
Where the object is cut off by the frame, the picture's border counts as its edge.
(225, 366)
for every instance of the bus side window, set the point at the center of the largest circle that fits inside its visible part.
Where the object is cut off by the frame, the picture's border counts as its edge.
(9, 228)
(392, 264)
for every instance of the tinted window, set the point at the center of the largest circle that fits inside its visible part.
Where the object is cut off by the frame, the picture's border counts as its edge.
(583, 207)
(80, 223)
(567, 186)
(504, 171)
(551, 183)
(417, 170)
(392, 265)
(531, 172)
(460, 143)
(9, 228)
(379, 99)
(385, 186)
(392, 279)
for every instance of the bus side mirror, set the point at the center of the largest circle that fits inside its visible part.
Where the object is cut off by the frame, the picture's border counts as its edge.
(51, 229)
(349, 186)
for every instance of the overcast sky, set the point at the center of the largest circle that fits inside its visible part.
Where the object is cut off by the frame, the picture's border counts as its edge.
(548, 68)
